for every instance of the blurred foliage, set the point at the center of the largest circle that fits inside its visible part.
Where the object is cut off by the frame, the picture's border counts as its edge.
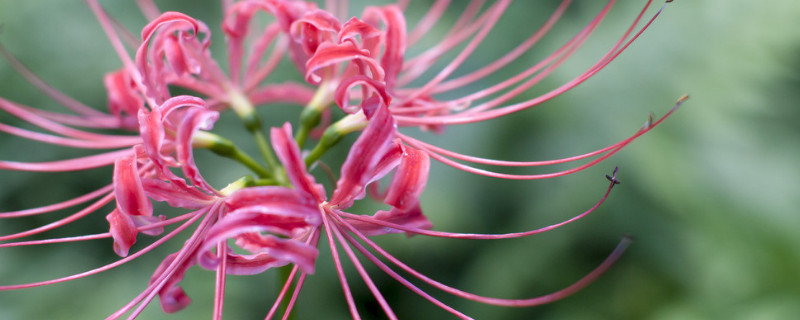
(710, 196)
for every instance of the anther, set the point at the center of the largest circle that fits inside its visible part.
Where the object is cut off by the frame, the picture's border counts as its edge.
(613, 176)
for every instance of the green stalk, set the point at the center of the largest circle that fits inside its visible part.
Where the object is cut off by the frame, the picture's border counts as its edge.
(226, 148)
(334, 134)
(312, 113)
(245, 110)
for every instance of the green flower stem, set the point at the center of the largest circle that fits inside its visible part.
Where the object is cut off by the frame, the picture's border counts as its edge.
(312, 113)
(334, 134)
(265, 182)
(226, 148)
(246, 182)
(243, 182)
(242, 106)
(266, 151)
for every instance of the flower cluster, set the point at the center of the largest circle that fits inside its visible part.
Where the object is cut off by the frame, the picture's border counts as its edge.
(277, 216)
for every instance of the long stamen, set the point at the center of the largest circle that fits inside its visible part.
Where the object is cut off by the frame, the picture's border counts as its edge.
(563, 293)
(58, 206)
(45, 88)
(395, 275)
(364, 275)
(106, 267)
(339, 269)
(476, 236)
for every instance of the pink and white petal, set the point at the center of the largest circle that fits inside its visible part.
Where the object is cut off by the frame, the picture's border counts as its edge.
(122, 230)
(284, 218)
(313, 29)
(151, 129)
(369, 88)
(278, 201)
(173, 299)
(237, 20)
(123, 99)
(241, 222)
(169, 109)
(355, 29)
(409, 179)
(174, 195)
(366, 161)
(328, 55)
(293, 250)
(288, 153)
(148, 58)
(234, 226)
(195, 119)
(240, 264)
(128, 190)
(172, 296)
(141, 222)
(395, 39)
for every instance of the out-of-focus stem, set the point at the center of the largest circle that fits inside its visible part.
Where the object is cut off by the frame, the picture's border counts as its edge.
(226, 148)
(334, 134)
(245, 110)
(312, 113)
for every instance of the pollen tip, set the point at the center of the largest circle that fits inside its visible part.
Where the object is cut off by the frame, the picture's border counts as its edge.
(649, 122)
(683, 97)
(613, 176)
(627, 238)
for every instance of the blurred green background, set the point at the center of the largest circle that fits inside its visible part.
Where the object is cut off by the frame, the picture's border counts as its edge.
(710, 197)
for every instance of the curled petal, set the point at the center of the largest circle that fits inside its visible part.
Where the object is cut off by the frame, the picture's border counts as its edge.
(130, 195)
(174, 36)
(151, 128)
(175, 195)
(245, 224)
(328, 55)
(174, 299)
(395, 39)
(372, 156)
(195, 119)
(277, 201)
(123, 230)
(355, 29)
(279, 219)
(171, 295)
(144, 221)
(239, 16)
(123, 99)
(409, 179)
(288, 152)
(240, 264)
(313, 29)
(172, 21)
(369, 88)
(182, 62)
(170, 115)
(237, 20)
(181, 114)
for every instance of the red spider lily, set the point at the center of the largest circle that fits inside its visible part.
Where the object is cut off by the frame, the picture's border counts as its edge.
(279, 217)
(380, 69)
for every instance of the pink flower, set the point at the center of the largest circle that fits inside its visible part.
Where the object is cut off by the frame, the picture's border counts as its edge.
(358, 53)
(277, 215)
